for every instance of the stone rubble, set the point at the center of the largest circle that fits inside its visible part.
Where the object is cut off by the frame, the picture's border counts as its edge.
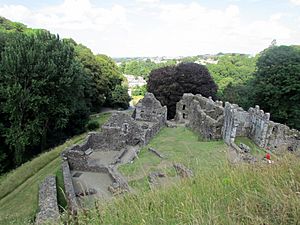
(156, 152)
(182, 171)
(245, 148)
(153, 176)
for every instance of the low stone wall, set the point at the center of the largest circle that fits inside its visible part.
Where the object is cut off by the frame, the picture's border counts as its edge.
(69, 188)
(48, 207)
(118, 178)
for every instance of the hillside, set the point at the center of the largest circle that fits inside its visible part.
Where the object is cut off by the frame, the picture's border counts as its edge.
(19, 188)
(219, 192)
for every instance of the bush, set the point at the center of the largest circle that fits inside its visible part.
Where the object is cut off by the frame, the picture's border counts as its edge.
(93, 125)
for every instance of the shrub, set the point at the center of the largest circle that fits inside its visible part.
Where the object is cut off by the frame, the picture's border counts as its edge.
(93, 125)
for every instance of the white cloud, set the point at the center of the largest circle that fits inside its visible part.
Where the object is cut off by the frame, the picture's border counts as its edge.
(156, 28)
(148, 1)
(295, 2)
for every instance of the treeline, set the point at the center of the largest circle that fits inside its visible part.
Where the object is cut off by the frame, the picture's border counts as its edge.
(271, 79)
(232, 74)
(142, 67)
(48, 89)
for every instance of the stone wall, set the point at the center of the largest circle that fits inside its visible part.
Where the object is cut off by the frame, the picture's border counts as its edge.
(69, 188)
(202, 115)
(122, 130)
(48, 207)
(236, 122)
(149, 109)
(213, 121)
(256, 125)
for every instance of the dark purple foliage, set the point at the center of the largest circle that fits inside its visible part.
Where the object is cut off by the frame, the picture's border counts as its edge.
(168, 84)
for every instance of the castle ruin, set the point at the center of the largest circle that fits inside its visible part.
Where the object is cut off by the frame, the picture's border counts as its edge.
(90, 168)
(213, 121)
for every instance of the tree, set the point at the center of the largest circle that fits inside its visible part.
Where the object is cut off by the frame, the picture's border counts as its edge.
(120, 97)
(113, 77)
(40, 90)
(139, 90)
(235, 69)
(168, 84)
(98, 83)
(277, 84)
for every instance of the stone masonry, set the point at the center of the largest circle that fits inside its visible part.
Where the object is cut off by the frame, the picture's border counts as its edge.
(202, 115)
(213, 121)
(48, 207)
(257, 125)
(124, 134)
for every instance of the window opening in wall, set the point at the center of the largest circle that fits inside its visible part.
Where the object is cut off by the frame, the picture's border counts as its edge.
(183, 107)
(184, 116)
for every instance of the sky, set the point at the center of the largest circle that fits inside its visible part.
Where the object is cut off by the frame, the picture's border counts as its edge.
(124, 28)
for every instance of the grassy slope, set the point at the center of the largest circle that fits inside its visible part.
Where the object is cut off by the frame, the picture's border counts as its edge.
(178, 146)
(219, 193)
(101, 118)
(21, 203)
(19, 188)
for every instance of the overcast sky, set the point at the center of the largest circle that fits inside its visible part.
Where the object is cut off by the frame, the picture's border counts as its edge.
(163, 27)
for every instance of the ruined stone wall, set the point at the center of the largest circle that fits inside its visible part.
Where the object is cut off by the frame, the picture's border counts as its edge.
(69, 188)
(236, 122)
(202, 115)
(256, 125)
(48, 207)
(150, 109)
(213, 121)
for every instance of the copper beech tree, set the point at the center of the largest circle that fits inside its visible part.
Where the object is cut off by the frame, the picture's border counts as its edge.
(168, 84)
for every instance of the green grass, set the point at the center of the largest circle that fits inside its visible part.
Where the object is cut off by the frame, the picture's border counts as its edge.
(19, 188)
(178, 145)
(220, 193)
(60, 187)
(20, 203)
(100, 118)
(255, 150)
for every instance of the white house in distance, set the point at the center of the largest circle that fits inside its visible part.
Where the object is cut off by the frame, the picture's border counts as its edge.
(134, 81)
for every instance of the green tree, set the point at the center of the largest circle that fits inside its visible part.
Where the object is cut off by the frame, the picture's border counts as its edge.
(120, 97)
(277, 83)
(111, 73)
(40, 90)
(232, 68)
(98, 83)
(139, 90)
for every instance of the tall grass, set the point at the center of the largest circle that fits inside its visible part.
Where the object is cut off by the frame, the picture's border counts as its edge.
(244, 194)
